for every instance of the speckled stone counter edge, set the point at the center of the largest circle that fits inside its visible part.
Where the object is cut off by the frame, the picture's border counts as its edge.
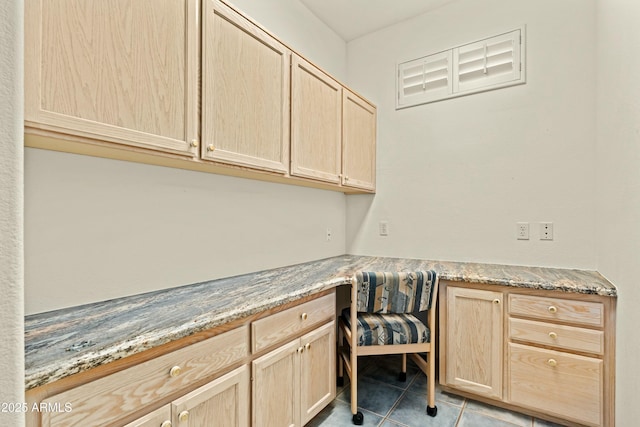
(118, 331)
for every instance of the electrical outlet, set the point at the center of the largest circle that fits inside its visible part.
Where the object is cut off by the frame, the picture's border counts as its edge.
(546, 231)
(328, 235)
(383, 228)
(522, 231)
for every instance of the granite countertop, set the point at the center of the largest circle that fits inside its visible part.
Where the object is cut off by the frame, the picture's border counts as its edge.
(65, 342)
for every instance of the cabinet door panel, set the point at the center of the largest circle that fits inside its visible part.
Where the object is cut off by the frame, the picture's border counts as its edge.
(562, 384)
(123, 71)
(153, 419)
(110, 398)
(318, 381)
(474, 341)
(245, 92)
(316, 117)
(225, 400)
(358, 142)
(276, 381)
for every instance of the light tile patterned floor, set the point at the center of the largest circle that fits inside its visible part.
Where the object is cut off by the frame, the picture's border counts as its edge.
(387, 402)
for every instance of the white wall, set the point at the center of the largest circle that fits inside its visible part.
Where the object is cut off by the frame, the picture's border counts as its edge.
(455, 176)
(11, 200)
(98, 229)
(618, 190)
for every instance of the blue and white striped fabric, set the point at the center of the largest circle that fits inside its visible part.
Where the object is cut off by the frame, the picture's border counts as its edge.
(395, 292)
(388, 329)
(386, 304)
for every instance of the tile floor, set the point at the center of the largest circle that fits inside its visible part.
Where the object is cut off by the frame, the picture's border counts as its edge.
(387, 402)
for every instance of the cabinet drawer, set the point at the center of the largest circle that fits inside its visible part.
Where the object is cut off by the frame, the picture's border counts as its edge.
(281, 326)
(562, 384)
(560, 336)
(107, 399)
(564, 310)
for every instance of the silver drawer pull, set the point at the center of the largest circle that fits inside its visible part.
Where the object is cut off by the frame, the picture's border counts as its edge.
(304, 316)
(552, 362)
(553, 335)
(553, 309)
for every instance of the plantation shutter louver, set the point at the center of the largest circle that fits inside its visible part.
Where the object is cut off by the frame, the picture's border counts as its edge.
(487, 63)
(424, 79)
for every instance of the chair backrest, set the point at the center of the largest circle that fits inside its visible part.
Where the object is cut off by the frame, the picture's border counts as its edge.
(395, 292)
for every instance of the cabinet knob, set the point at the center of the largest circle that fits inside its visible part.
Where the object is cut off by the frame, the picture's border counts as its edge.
(496, 301)
(300, 349)
(166, 424)
(307, 346)
(184, 416)
(553, 335)
(553, 309)
(210, 147)
(552, 362)
(194, 143)
(304, 316)
(175, 371)
(346, 178)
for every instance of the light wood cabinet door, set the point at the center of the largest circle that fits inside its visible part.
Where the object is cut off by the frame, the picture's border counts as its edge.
(318, 376)
(276, 385)
(223, 402)
(159, 418)
(245, 92)
(122, 71)
(316, 123)
(154, 419)
(358, 142)
(474, 341)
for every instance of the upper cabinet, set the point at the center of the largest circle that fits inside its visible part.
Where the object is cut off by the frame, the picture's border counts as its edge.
(316, 116)
(245, 92)
(358, 142)
(120, 71)
(190, 84)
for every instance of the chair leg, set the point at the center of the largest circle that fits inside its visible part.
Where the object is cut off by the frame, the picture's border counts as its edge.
(340, 380)
(432, 410)
(357, 418)
(403, 372)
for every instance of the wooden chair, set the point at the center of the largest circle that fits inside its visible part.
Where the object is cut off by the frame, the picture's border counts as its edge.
(385, 305)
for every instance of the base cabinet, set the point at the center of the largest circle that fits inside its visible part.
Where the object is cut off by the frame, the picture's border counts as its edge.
(545, 353)
(225, 400)
(318, 371)
(294, 382)
(566, 385)
(474, 340)
(159, 418)
(276, 368)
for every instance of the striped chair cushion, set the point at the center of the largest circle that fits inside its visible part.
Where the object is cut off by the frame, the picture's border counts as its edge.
(395, 292)
(386, 329)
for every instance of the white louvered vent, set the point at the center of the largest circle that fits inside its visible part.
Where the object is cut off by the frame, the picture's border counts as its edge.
(425, 79)
(475, 67)
(487, 63)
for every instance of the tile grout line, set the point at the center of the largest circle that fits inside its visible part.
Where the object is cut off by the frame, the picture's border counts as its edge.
(464, 406)
(397, 402)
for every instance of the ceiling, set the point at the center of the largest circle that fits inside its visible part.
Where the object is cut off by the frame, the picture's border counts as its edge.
(351, 19)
